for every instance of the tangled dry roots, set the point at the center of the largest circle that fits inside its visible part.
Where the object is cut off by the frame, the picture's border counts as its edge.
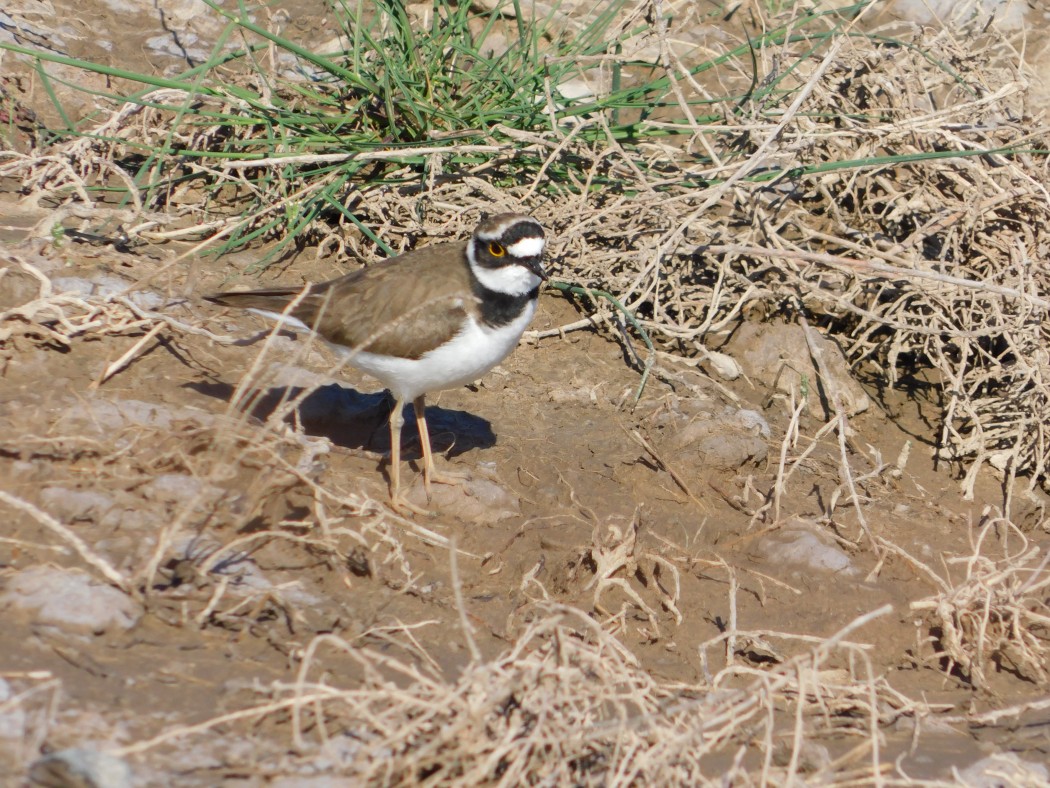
(995, 617)
(919, 250)
(568, 704)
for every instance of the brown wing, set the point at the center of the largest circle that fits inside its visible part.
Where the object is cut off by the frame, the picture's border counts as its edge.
(404, 306)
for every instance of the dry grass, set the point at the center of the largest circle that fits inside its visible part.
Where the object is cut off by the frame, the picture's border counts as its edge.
(928, 272)
(995, 617)
(568, 704)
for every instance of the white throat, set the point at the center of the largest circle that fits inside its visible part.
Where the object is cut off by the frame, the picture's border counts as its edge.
(511, 279)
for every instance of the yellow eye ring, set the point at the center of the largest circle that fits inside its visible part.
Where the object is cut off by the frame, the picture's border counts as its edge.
(496, 249)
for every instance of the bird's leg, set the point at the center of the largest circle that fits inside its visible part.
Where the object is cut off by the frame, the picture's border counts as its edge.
(430, 473)
(397, 502)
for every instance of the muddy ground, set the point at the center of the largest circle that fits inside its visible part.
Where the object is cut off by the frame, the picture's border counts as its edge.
(243, 537)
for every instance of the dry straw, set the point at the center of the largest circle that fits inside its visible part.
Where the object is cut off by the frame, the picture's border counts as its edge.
(994, 617)
(896, 202)
(568, 704)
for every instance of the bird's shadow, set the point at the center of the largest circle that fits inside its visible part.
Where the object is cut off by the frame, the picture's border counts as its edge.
(354, 420)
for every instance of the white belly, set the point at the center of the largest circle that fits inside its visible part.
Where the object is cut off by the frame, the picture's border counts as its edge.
(465, 358)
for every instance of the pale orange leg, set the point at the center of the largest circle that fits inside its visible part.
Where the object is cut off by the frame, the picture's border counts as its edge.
(397, 502)
(430, 473)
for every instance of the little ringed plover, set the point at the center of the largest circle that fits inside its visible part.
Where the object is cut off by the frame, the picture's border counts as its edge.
(431, 319)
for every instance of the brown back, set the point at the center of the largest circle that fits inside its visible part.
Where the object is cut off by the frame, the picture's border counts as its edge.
(403, 307)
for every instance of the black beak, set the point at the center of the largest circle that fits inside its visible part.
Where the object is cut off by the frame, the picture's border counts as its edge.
(535, 265)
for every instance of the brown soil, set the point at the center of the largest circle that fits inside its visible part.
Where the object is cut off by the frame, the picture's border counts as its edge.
(278, 534)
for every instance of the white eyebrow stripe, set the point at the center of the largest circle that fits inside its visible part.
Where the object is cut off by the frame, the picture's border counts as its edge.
(526, 247)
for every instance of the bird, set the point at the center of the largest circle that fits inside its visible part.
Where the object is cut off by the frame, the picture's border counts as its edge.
(431, 319)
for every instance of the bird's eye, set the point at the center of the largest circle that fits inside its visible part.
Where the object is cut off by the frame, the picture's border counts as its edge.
(497, 249)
